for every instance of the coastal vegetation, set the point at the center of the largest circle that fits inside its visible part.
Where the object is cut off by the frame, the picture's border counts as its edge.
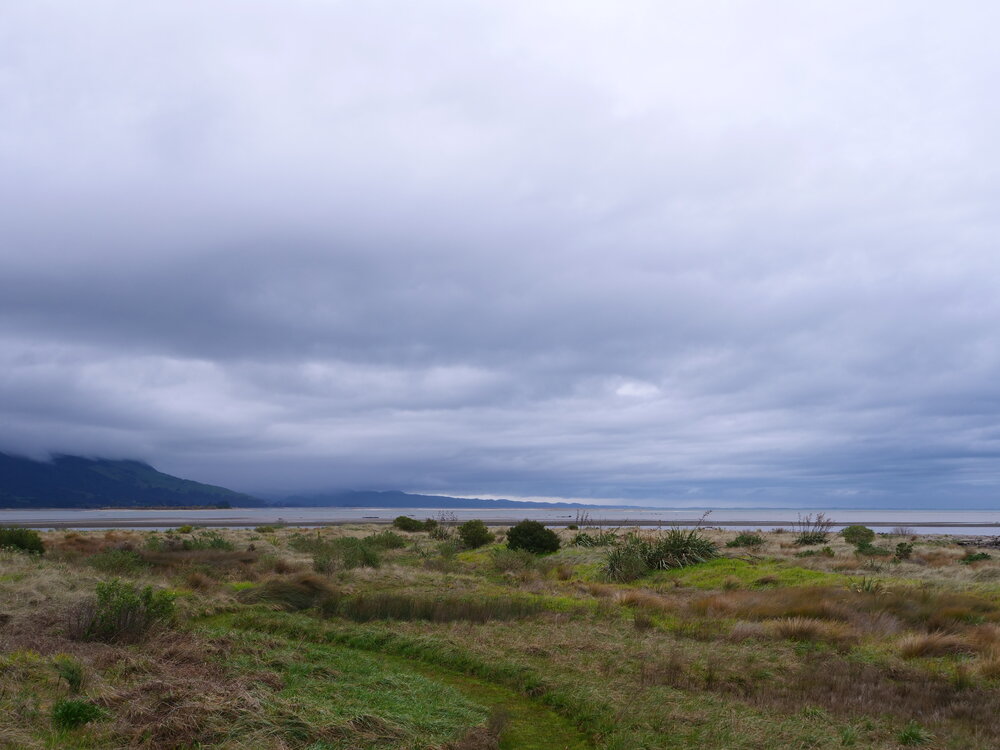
(361, 636)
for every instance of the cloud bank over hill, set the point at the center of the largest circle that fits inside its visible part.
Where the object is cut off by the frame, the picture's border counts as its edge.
(643, 250)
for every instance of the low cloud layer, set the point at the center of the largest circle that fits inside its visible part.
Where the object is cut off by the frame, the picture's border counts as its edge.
(696, 253)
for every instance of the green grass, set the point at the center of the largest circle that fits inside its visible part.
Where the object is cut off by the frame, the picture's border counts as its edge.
(715, 574)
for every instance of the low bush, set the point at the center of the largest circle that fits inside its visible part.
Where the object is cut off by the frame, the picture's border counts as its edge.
(185, 529)
(70, 713)
(405, 523)
(971, 557)
(27, 540)
(812, 530)
(746, 539)
(810, 538)
(858, 535)
(474, 534)
(533, 537)
(637, 556)
(267, 528)
(598, 539)
(904, 551)
(385, 540)
(121, 612)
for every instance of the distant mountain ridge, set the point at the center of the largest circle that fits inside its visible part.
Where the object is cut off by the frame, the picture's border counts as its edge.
(397, 499)
(78, 482)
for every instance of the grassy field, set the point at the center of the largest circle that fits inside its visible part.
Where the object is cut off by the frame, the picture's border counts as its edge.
(358, 637)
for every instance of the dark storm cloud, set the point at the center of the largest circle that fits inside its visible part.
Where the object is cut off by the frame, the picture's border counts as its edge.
(648, 250)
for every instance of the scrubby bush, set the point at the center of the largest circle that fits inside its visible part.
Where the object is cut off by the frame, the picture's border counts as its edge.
(507, 560)
(746, 539)
(27, 540)
(266, 528)
(971, 557)
(185, 529)
(405, 523)
(823, 552)
(385, 540)
(205, 540)
(345, 553)
(121, 612)
(474, 534)
(533, 537)
(904, 550)
(71, 713)
(858, 535)
(870, 550)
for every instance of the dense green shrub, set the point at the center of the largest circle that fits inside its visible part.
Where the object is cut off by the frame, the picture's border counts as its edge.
(870, 550)
(904, 550)
(824, 552)
(121, 612)
(27, 540)
(858, 535)
(70, 713)
(405, 523)
(746, 539)
(474, 534)
(533, 537)
(267, 528)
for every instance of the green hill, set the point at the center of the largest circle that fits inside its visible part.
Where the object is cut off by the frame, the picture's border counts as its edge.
(77, 482)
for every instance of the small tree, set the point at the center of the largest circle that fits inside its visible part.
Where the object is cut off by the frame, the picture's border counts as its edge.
(474, 534)
(533, 537)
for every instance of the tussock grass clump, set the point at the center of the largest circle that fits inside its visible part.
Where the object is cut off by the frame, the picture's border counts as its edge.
(118, 562)
(25, 540)
(70, 713)
(810, 629)
(120, 612)
(294, 593)
(506, 560)
(933, 644)
(636, 556)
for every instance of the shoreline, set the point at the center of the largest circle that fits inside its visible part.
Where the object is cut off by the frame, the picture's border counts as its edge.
(115, 523)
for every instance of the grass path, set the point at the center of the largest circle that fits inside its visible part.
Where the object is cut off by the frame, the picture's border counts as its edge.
(528, 725)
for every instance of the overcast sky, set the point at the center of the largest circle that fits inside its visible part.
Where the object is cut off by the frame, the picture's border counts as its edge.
(692, 252)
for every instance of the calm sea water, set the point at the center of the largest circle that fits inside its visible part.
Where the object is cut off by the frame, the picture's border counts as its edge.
(977, 522)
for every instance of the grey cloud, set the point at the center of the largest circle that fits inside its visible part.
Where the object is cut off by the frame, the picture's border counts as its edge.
(647, 251)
